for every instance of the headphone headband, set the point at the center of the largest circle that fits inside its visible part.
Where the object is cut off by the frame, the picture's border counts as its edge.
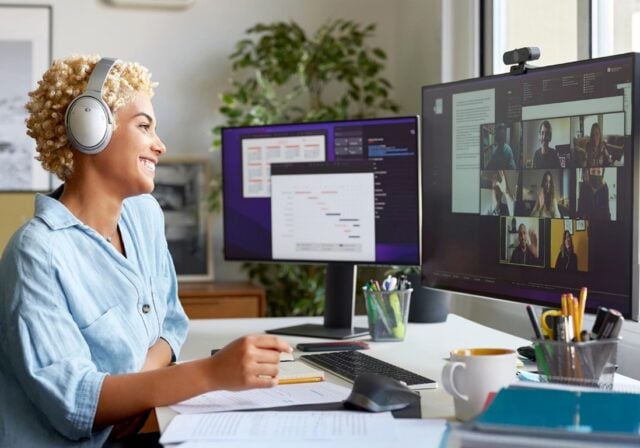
(99, 75)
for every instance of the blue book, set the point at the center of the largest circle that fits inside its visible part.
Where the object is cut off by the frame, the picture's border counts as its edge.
(561, 413)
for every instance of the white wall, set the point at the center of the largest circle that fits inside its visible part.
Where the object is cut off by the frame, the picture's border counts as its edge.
(187, 52)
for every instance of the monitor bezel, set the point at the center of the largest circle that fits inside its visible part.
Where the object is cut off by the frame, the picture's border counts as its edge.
(418, 142)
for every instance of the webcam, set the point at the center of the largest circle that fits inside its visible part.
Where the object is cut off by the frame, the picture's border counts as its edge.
(518, 58)
(521, 55)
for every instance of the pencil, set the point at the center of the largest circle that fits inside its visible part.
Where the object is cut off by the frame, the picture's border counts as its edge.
(581, 306)
(311, 379)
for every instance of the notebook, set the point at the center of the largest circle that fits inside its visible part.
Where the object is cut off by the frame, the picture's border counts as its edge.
(293, 372)
(575, 414)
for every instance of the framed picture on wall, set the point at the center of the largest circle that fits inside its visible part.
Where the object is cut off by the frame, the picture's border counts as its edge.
(580, 225)
(25, 53)
(568, 225)
(181, 189)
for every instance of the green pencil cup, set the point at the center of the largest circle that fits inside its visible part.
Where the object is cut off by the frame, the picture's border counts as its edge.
(388, 313)
(591, 363)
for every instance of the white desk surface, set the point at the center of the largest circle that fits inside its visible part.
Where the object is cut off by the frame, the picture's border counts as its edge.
(424, 350)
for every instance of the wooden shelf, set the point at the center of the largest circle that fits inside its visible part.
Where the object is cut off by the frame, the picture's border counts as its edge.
(208, 300)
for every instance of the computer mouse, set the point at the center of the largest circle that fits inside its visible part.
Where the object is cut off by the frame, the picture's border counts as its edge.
(377, 393)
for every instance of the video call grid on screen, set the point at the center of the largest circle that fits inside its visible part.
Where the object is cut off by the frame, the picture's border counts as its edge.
(510, 161)
(344, 191)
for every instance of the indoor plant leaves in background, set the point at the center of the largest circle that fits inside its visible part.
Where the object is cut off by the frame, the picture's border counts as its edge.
(282, 75)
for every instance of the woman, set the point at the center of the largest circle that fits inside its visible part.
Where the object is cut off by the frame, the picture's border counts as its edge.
(567, 259)
(90, 320)
(501, 200)
(597, 152)
(546, 205)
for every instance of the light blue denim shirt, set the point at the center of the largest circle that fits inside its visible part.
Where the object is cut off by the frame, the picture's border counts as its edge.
(73, 310)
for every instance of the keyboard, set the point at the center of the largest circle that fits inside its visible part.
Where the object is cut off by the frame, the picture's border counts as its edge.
(349, 364)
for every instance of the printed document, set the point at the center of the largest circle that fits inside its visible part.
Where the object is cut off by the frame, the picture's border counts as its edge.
(280, 426)
(284, 395)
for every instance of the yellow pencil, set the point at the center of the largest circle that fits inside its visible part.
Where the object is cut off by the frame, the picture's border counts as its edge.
(582, 304)
(313, 379)
(575, 312)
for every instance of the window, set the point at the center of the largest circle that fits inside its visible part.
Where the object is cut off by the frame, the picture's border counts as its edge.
(554, 26)
(616, 26)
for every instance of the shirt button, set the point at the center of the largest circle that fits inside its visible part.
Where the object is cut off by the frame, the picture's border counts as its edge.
(146, 308)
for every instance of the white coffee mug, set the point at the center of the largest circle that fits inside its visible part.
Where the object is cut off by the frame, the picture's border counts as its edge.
(473, 373)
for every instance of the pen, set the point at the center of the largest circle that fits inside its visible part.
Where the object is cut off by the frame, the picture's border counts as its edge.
(398, 329)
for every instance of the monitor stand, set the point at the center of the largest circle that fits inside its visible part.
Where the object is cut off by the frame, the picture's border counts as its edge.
(338, 308)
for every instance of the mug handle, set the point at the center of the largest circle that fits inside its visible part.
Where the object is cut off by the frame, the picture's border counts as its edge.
(447, 379)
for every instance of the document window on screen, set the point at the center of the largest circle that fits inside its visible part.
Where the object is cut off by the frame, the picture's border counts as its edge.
(320, 215)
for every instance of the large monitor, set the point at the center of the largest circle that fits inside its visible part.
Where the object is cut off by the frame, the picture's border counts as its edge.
(341, 193)
(530, 184)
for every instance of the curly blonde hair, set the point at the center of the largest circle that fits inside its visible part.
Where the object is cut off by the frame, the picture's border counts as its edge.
(61, 83)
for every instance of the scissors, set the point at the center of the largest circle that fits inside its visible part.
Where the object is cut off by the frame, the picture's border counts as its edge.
(547, 327)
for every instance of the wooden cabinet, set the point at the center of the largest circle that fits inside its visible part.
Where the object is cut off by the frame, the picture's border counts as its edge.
(207, 300)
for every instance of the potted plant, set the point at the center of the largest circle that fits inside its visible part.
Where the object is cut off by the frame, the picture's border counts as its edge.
(282, 74)
(427, 305)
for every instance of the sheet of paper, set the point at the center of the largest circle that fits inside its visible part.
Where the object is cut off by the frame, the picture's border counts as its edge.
(280, 426)
(284, 395)
(410, 433)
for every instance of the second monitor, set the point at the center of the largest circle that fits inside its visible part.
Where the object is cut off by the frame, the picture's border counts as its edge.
(340, 192)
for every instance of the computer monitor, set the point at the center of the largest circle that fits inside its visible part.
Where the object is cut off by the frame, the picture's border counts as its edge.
(341, 193)
(530, 184)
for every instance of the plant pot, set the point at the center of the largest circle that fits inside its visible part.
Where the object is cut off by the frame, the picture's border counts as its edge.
(427, 305)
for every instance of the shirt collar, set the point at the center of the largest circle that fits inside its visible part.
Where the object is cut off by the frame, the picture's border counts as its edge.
(53, 212)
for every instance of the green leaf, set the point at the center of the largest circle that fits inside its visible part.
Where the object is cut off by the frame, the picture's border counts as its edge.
(282, 73)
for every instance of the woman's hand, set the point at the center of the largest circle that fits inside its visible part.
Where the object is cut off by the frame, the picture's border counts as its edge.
(501, 182)
(248, 362)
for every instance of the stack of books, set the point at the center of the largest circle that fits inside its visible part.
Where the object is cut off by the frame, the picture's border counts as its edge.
(533, 417)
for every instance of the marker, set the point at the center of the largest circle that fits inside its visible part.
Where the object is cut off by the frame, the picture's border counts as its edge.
(597, 325)
(611, 325)
(534, 322)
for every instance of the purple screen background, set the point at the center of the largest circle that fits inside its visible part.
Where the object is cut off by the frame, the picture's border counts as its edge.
(247, 222)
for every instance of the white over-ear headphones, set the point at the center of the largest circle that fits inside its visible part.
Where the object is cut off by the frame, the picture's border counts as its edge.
(88, 119)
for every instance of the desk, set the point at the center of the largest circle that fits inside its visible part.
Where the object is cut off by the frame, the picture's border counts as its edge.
(424, 350)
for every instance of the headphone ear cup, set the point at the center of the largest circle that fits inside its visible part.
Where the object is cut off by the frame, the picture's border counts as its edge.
(89, 124)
